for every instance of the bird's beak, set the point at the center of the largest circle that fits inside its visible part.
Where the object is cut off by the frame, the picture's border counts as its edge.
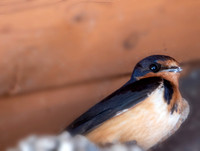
(174, 69)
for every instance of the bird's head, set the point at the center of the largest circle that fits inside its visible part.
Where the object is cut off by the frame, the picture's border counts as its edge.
(157, 66)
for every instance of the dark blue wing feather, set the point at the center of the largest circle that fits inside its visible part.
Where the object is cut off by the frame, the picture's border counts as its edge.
(124, 98)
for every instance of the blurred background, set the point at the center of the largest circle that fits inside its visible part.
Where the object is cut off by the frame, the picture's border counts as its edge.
(60, 57)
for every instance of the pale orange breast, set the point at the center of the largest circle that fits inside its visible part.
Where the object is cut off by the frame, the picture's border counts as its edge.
(147, 123)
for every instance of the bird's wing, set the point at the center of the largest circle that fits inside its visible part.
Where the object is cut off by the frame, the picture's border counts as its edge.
(124, 98)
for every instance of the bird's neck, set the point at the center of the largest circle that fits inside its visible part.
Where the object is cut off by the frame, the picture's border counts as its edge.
(171, 88)
(174, 104)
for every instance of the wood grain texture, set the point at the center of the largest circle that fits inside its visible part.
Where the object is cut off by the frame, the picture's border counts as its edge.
(50, 49)
(54, 42)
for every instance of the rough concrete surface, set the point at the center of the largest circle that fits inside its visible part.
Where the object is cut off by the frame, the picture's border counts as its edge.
(60, 57)
(64, 142)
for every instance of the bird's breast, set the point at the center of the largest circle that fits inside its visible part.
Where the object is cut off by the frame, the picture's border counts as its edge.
(147, 123)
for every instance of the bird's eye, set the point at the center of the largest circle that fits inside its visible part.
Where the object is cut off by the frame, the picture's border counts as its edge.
(154, 67)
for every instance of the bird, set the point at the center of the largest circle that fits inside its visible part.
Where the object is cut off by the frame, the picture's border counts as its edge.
(147, 109)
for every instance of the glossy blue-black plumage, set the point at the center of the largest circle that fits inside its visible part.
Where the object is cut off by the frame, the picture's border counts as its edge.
(133, 92)
(124, 98)
(168, 91)
(143, 67)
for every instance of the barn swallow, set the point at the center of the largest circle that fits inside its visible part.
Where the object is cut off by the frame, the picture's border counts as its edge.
(147, 109)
